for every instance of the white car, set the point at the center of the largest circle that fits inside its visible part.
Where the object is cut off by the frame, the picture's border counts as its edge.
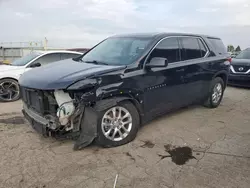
(9, 74)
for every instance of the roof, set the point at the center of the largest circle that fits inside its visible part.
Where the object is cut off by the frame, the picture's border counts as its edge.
(160, 35)
(58, 51)
(78, 49)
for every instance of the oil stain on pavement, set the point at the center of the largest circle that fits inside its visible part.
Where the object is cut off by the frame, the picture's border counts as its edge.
(179, 155)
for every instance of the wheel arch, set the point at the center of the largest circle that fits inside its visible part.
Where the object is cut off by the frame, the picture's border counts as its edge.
(223, 75)
(11, 78)
(112, 101)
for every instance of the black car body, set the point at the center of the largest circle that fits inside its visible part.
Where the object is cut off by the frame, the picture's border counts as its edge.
(136, 76)
(240, 70)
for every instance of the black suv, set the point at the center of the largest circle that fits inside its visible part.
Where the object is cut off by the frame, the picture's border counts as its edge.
(123, 82)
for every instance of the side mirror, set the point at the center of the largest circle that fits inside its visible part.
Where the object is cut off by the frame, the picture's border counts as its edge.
(35, 65)
(157, 62)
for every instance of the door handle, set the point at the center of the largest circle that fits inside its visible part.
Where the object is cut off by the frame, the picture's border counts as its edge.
(180, 70)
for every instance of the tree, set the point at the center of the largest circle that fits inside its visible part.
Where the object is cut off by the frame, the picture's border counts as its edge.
(238, 49)
(230, 48)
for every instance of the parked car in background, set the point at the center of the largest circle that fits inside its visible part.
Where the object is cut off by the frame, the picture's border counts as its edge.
(240, 69)
(82, 50)
(9, 74)
(123, 82)
(234, 54)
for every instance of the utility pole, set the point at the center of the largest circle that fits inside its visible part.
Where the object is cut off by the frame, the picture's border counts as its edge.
(45, 44)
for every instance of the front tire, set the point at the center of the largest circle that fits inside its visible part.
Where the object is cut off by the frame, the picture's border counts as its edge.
(118, 125)
(216, 92)
(9, 90)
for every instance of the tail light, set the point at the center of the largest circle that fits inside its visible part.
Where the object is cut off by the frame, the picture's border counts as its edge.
(228, 61)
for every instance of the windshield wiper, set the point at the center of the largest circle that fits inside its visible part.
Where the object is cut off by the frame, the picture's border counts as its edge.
(96, 62)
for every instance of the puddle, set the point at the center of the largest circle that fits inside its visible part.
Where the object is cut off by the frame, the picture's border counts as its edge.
(148, 144)
(13, 120)
(179, 155)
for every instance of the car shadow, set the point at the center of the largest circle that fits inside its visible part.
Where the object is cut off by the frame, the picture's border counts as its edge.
(171, 113)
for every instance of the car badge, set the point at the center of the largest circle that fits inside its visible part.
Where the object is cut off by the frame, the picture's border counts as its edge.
(241, 69)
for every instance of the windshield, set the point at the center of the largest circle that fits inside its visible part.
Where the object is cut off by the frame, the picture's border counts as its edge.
(117, 51)
(245, 54)
(25, 59)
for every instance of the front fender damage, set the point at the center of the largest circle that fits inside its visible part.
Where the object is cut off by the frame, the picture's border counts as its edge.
(89, 121)
(88, 128)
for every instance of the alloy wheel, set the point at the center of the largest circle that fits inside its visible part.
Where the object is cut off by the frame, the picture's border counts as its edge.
(116, 123)
(9, 91)
(217, 93)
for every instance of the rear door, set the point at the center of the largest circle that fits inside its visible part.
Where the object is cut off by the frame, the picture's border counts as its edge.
(193, 54)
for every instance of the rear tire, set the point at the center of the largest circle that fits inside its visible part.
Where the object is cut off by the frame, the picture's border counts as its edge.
(216, 92)
(9, 90)
(124, 112)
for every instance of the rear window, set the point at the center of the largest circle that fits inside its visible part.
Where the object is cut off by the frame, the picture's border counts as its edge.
(218, 45)
(69, 55)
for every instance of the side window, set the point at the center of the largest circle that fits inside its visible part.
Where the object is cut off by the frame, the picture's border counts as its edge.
(202, 48)
(48, 58)
(191, 48)
(167, 48)
(218, 45)
(68, 55)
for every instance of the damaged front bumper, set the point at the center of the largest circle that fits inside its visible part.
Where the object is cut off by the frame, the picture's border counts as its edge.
(84, 136)
(64, 121)
(42, 125)
(37, 122)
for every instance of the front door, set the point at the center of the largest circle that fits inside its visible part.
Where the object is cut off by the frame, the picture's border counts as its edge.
(163, 87)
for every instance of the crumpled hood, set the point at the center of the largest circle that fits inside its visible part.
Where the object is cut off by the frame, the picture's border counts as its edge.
(61, 74)
(245, 62)
(5, 68)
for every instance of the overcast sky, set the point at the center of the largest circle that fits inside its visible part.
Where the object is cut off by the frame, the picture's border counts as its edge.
(82, 23)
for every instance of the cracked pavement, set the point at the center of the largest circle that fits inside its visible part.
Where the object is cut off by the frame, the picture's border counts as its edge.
(219, 138)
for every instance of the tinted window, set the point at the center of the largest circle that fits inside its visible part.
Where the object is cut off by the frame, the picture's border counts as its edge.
(68, 55)
(191, 48)
(202, 48)
(167, 48)
(218, 45)
(49, 58)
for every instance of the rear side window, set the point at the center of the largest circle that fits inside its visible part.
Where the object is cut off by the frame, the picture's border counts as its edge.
(192, 48)
(48, 58)
(167, 48)
(68, 56)
(218, 45)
